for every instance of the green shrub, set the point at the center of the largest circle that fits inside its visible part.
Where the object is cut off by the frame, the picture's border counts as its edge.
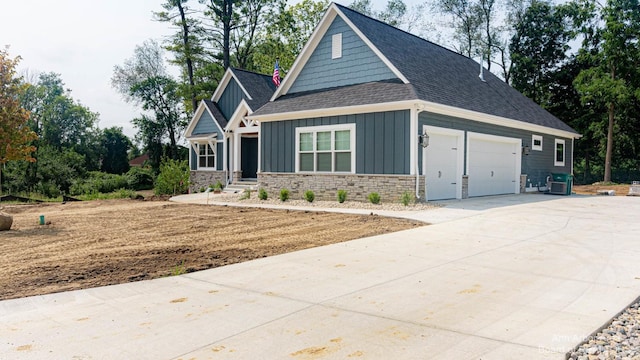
(202, 189)
(98, 182)
(407, 198)
(139, 178)
(342, 196)
(218, 186)
(309, 196)
(173, 178)
(284, 195)
(246, 194)
(262, 194)
(374, 198)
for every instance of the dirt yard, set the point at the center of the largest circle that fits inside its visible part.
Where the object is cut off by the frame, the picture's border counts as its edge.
(96, 243)
(620, 189)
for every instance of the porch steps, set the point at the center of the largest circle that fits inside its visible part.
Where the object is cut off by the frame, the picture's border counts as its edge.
(240, 186)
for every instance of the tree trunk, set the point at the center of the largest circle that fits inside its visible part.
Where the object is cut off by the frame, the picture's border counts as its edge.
(187, 50)
(609, 155)
(227, 11)
(607, 161)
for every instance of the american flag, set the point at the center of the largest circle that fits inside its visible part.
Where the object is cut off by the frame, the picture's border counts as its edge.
(276, 75)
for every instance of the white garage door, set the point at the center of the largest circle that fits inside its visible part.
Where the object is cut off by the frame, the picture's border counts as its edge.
(493, 165)
(442, 161)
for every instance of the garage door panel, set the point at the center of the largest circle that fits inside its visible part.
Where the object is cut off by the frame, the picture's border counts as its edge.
(441, 166)
(492, 167)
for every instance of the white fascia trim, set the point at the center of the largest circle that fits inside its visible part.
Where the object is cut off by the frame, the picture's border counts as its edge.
(237, 116)
(495, 120)
(366, 40)
(306, 52)
(343, 110)
(222, 86)
(196, 118)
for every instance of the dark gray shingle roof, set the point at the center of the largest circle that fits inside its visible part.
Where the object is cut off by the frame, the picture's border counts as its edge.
(442, 76)
(435, 74)
(360, 94)
(260, 87)
(217, 114)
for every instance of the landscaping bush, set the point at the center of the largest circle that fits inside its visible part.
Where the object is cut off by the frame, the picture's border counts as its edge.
(309, 196)
(173, 178)
(139, 178)
(407, 198)
(98, 182)
(284, 195)
(262, 194)
(342, 196)
(374, 198)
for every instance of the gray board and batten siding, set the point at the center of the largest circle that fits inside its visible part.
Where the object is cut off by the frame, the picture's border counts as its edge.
(358, 63)
(382, 142)
(206, 126)
(230, 98)
(537, 165)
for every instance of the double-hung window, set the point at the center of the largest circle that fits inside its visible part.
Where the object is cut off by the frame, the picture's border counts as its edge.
(326, 148)
(206, 156)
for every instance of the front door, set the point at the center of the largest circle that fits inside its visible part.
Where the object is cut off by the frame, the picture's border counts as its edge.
(249, 157)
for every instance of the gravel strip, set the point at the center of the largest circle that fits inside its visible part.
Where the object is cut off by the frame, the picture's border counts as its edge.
(325, 204)
(618, 341)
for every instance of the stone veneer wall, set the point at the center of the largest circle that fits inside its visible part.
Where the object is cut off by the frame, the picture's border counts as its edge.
(326, 186)
(202, 179)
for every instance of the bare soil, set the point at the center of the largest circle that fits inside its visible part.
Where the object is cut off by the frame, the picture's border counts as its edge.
(96, 243)
(620, 189)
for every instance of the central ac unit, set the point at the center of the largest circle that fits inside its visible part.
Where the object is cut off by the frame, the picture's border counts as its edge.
(558, 188)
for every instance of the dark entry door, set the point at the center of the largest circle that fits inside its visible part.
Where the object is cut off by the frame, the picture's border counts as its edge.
(249, 161)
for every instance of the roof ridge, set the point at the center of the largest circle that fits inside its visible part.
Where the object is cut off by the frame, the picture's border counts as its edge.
(403, 31)
(249, 71)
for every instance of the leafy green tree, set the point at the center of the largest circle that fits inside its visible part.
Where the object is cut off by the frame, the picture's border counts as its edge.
(15, 135)
(465, 21)
(538, 49)
(115, 146)
(287, 33)
(173, 178)
(186, 44)
(143, 80)
(614, 79)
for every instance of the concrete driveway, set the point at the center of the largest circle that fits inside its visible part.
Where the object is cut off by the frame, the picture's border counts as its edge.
(525, 277)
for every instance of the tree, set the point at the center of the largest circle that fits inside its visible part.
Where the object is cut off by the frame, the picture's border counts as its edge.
(115, 147)
(186, 44)
(15, 135)
(466, 22)
(143, 80)
(614, 80)
(221, 12)
(396, 13)
(538, 49)
(287, 33)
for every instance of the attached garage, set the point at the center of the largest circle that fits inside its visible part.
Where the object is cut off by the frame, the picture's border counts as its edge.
(493, 164)
(442, 163)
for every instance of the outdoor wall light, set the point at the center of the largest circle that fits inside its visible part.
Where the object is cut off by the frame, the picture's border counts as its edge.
(424, 140)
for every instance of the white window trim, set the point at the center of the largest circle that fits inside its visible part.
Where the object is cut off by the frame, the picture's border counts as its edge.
(213, 145)
(555, 152)
(332, 128)
(533, 142)
(336, 46)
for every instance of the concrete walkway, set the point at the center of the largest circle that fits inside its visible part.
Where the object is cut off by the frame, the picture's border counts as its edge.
(516, 277)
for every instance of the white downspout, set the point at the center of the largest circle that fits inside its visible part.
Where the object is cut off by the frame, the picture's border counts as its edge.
(419, 109)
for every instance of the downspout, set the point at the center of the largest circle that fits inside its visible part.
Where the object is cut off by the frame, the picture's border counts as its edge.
(226, 157)
(419, 109)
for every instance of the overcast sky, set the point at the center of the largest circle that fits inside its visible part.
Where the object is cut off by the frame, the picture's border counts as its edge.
(82, 40)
